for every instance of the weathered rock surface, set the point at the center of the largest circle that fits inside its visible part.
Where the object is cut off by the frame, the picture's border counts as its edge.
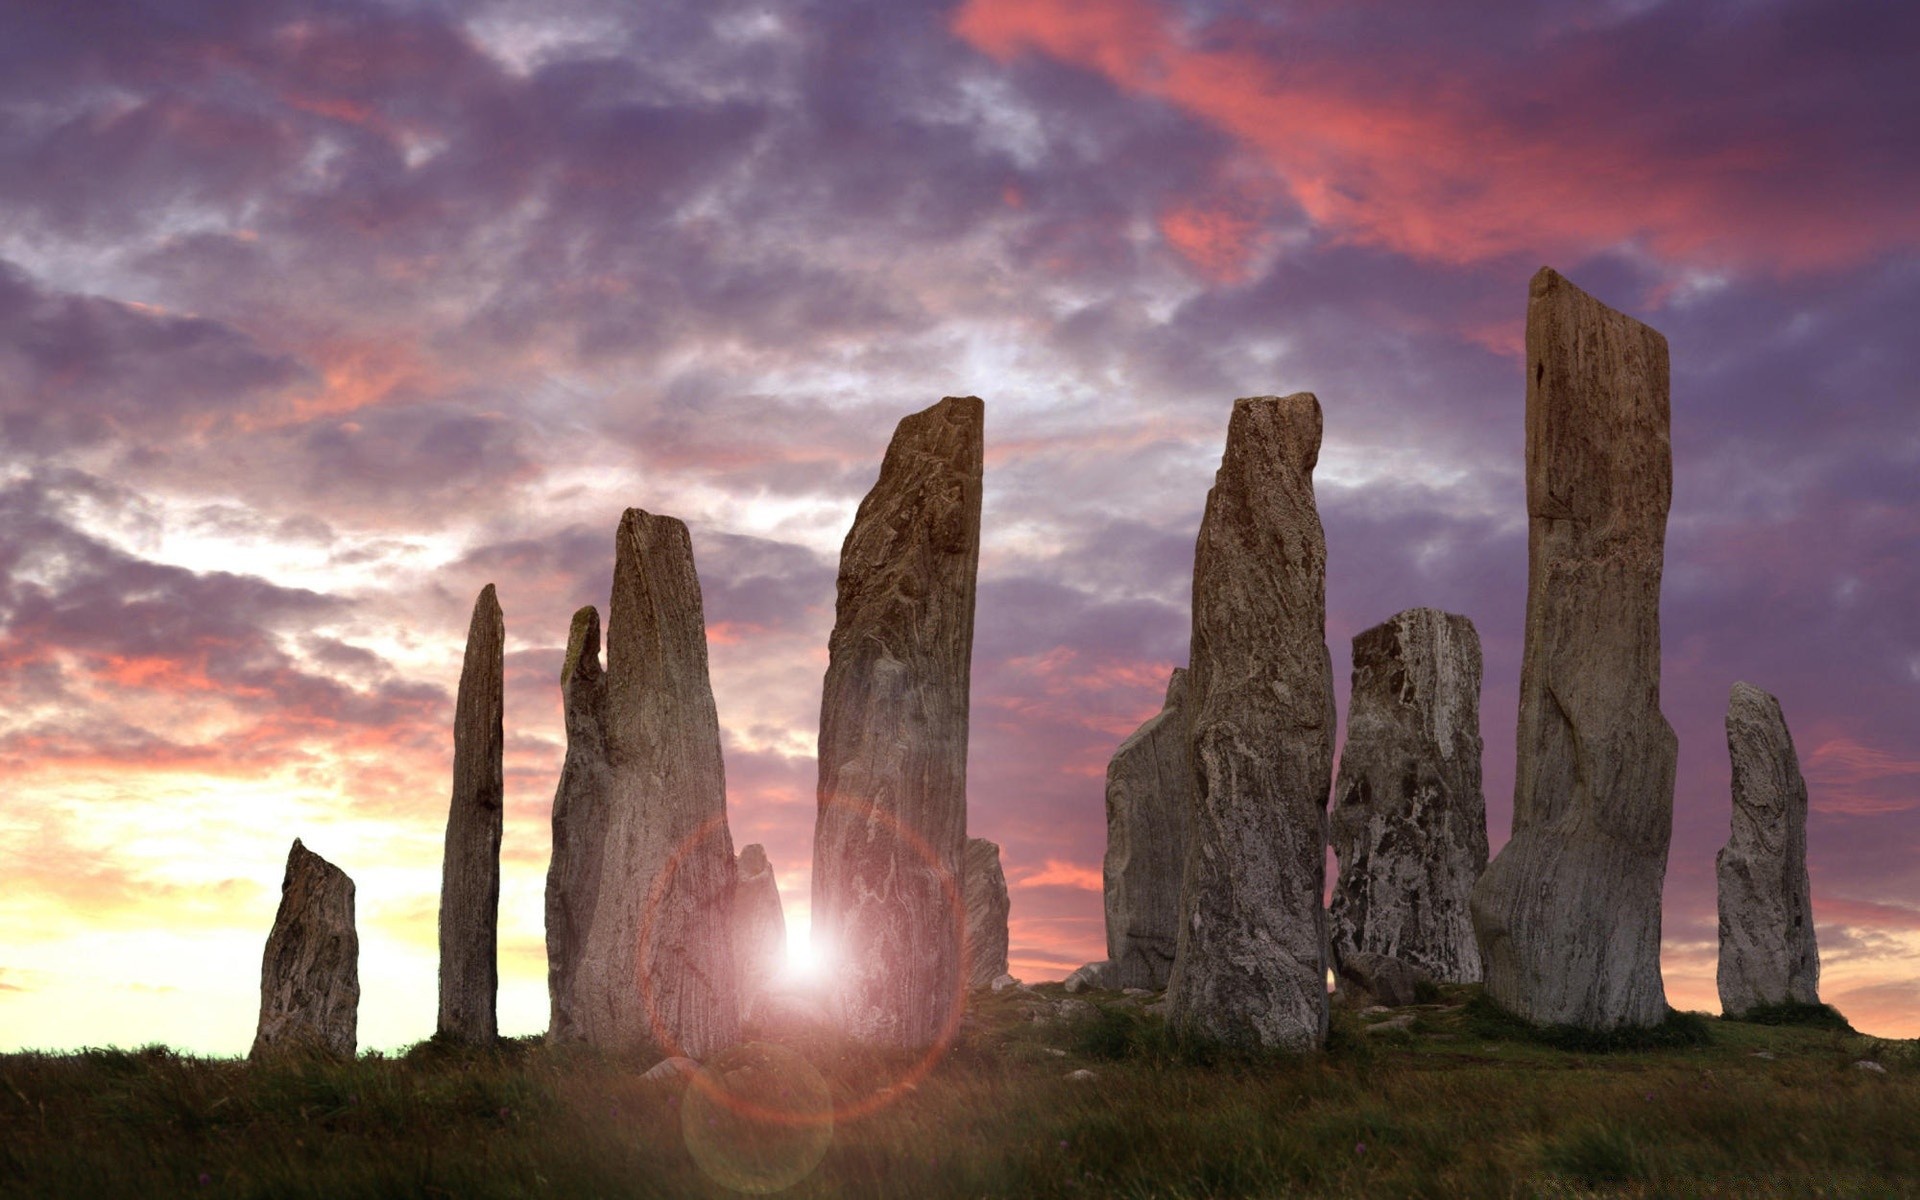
(1091, 975)
(759, 924)
(1149, 790)
(1568, 914)
(310, 974)
(1251, 965)
(1365, 980)
(670, 1070)
(1409, 821)
(987, 908)
(640, 894)
(470, 866)
(1767, 951)
(892, 820)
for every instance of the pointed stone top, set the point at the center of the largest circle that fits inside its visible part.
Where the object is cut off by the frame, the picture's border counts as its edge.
(1176, 688)
(952, 430)
(583, 645)
(753, 859)
(1747, 696)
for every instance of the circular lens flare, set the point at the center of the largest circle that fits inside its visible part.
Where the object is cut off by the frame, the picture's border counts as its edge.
(758, 1119)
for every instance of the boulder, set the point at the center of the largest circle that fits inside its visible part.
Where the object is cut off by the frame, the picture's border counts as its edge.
(1251, 964)
(1409, 821)
(310, 974)
(1149, 786)
(892, 818)
(1767, 951)
(1003, 982)
(987, 907)
(1567, 916)
(1092, 975)
(1368, 980)
(759, 924)
(470, 866)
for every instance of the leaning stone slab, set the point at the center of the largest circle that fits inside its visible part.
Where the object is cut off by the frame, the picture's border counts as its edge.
(1149, 790)
(1409, 821)
(892, 818)
(987, 908)
(1767, 951)
(1568, 914)
(470, 866)
(310, 974)
(1251, 965)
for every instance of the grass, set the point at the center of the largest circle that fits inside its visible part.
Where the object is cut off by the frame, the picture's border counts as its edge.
(1461, 1103)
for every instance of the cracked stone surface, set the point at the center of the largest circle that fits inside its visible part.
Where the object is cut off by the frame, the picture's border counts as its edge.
(310, 973)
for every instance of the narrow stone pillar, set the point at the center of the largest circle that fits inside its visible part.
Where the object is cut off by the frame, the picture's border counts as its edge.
(470, 866)
(987, 909)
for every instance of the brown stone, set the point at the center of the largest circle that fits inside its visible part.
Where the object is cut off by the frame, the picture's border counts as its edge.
(470, 866)
(310, 974)
(759, 924)
(987, 908)
(582, 805)
(1149, 791)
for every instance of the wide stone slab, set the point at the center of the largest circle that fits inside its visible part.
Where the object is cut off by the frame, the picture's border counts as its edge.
(310, 973)
(1149, 790)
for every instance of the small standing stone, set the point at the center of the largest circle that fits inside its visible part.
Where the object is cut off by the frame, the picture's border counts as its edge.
(1149, 790)
(470, 866)
(582, 806)
(310, 974)
(1767, 951)
(759, 924)
(987, 908)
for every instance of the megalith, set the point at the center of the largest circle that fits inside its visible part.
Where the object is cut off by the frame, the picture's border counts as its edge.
(310, 974)
(1251, 963)
(759, 924)
(470, 865)
(1149, 790)
(1567, 915)
(1409, 821)
(640, 891)
(1767, 951)
(985, 891)
(892, 820)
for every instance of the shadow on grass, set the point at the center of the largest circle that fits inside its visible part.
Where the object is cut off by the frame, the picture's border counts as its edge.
(1681, 1030)
(1118, 1033)
(1808, 1016)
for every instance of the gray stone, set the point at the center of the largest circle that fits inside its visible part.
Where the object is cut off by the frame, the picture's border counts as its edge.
(640, 894)
(1401, 1023)
(987, 908)
(1092, 975)
(892, 819)
(310, 973)
(1251, 966)
(1869, 1066)
(1082, 1076)
(1409, 822)
(1003, 982)
(1368, 980)
(1149, 790)
(759, 924)
(1568, 914)
(1072, 1009)
(470, 866)
(670, 1070)
(1767, 951)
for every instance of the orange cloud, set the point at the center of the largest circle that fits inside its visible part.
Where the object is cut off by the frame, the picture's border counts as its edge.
(1062, 874)
(1846, 776)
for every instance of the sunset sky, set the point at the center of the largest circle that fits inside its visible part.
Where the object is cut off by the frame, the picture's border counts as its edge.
(316, 317)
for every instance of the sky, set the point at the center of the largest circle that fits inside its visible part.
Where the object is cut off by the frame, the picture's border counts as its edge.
(316, 316)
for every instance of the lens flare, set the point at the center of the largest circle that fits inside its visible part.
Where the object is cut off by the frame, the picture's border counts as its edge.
(758, 1118)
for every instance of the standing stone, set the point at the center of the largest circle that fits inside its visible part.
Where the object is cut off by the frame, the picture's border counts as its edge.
(470, 867)
(892, 821)
(640, 893)
(759, 924)
(1251, 964)
(1767, 952)
(987, 908)
(310, 974)
(1149, 790)
(1409, 820)
(1568, 914)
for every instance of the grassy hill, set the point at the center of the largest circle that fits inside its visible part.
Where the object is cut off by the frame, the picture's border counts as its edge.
(1456, 1101)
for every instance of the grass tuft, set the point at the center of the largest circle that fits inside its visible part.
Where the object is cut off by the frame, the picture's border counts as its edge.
(1808, 1016)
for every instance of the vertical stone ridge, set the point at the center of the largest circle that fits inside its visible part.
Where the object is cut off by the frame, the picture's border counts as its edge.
(1767, 949)
(1251, 963)
(1567, 916)
(310, 972)
(1149, 790)
(987, 909)
(1409, 822)
(470, 865)
(582, 804)
(759, 924)
(892, 819)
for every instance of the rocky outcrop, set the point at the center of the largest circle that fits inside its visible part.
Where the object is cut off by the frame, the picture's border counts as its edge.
(1251, 964)
(1409, 821)
(470, 866)
(759, 924)
(1149, 789)
(310, 974)
(987, 907)
(1767, 951)
(892, 820)
(640, 893)
(1568, 914)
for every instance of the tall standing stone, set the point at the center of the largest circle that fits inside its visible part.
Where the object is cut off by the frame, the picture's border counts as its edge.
(987, 909)
(470, 866)
(1568, 914)
(1767, 951)
(1149, 791)
(642, 883)
(892, 821)
(759, 924)
(310, 974)
(1251, 964)
(1409, 821)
